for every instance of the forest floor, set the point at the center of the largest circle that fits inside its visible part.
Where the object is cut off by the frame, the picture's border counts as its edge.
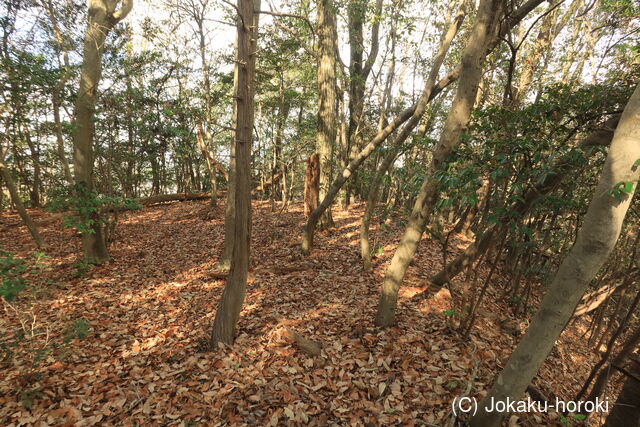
(122, 343)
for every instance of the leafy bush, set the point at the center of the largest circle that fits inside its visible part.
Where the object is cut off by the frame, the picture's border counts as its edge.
(91, 209)
(11, 271)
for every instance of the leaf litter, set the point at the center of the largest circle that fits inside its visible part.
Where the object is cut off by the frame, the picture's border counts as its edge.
(149, 310)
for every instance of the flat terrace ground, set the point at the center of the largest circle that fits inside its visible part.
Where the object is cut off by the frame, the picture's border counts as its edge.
(122, 343)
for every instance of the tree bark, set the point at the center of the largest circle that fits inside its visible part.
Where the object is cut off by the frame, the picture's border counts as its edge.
(626, 410)
(103, 16)
(228, 313)
(358, 74)
(61, 46)
(596, 239)
(327, 114)
(311, 185)
(484, 30)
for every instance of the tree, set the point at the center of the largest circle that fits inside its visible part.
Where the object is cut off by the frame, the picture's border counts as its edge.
(428, 94)
(103, 16)
(17, 201)
(327, 114)
(596, 239)
(228, 313)
(484, 30)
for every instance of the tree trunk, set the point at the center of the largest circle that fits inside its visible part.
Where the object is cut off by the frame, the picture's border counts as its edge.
(311, 185)
(103, 16)
(15, 198)
(57, 93)
(205, 141)
(358, 74)
(596, 239)
(402, 117)
(327, 114)
(421, 107)
(228, 313)
(473, 57)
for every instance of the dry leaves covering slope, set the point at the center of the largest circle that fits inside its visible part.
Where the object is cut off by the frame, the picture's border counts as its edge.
(139, 360)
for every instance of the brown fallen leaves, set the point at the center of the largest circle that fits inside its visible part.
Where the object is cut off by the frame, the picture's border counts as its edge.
(140, 363)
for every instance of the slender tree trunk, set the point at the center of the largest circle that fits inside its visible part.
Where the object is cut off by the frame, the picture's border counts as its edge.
(60, 139)
(206, 140)
(596, 239)
(228, 313)
(15, 198)
(402, 117)
(358, 74)
(103, 16)
(473, 57)
(61, 46)
(445, 42)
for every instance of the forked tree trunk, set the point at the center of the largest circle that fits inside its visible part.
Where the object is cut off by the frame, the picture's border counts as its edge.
(228, 313)
(484, 29)
(103, 16)
(596, 239)
(312, 184)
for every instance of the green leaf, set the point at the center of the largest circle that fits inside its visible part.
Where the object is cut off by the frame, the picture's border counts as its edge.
(637, 163)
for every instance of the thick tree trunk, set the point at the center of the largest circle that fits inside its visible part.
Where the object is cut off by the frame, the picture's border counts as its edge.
(484, 29)
(230, 209)
(103, 16)
(596, 239)
(228, 313)
(327, 114)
